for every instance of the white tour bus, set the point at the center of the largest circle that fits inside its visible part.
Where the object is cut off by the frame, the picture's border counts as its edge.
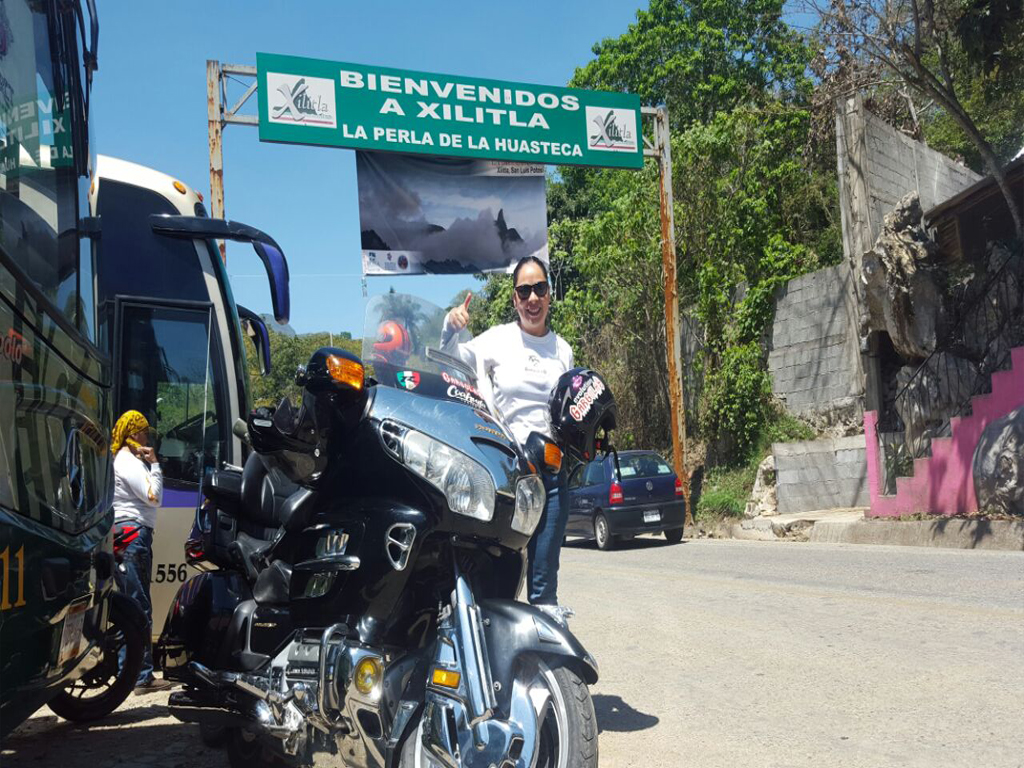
(167, 317)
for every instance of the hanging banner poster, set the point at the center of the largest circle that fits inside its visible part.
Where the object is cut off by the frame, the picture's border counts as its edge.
(329, 103)
(448, 215)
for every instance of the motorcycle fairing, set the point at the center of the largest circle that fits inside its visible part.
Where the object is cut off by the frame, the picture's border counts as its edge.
(207, 620)
(513, 629)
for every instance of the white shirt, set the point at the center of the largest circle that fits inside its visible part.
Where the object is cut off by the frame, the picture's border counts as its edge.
(138, 489)
(516, 372)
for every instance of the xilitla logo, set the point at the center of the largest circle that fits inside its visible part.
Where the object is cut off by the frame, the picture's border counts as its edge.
(301, 100)
(611, 130)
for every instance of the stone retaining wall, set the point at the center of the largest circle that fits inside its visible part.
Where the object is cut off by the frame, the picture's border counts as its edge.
(821, 474)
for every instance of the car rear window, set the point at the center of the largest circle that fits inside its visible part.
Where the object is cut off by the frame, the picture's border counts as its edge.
(643, 465)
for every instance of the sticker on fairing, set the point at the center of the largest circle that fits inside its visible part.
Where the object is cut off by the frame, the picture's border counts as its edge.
(408, 379)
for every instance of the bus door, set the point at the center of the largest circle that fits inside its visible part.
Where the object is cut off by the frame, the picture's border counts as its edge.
(171, 369)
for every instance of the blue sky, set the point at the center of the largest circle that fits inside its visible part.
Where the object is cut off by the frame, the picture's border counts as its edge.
(149, 107)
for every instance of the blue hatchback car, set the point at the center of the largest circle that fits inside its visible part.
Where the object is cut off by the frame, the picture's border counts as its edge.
(646, 497)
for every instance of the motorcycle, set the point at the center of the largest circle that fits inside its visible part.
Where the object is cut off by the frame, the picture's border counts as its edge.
(357, 601)
(104, 686)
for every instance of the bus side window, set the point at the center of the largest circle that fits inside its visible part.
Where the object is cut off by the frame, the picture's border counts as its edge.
(168, 370)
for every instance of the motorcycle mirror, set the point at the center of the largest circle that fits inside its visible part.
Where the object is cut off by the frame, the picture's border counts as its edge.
(300, 376)
(240, 430)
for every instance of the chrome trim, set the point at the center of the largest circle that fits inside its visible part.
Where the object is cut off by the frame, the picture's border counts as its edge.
(391, 434)
(447, 737)
(400, 536)
(472, 651)
(328, 672)
(319, 584)
(333, 543)
(331, 563)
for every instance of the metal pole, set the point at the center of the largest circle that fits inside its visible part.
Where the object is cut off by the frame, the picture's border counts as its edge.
(673, 342)
(215, 127)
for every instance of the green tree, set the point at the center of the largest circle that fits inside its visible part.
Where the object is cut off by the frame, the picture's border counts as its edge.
(753, 208)
(287, 353)
(756, 203)
(939, 52)
(702, 57)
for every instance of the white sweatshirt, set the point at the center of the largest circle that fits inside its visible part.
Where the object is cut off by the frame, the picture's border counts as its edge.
(138, 489)
(516, 372)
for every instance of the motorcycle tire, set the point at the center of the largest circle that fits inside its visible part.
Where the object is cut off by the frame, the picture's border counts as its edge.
(110, 684)
(566, 741)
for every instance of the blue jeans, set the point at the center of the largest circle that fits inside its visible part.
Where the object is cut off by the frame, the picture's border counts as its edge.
(545, 547)
(138, 565)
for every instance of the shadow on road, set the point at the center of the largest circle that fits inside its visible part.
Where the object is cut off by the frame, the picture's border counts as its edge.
(124, 737)
(613, 714)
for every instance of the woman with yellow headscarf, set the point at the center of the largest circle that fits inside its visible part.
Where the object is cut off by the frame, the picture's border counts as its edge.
(138, 493)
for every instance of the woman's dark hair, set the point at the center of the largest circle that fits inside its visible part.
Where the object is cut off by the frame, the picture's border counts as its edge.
(515, 276)
(523, 262)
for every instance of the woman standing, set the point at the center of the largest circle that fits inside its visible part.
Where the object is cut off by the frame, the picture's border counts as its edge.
(518, 364)
(138, 493)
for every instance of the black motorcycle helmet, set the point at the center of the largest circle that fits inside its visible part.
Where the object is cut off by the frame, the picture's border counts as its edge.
(581, 408)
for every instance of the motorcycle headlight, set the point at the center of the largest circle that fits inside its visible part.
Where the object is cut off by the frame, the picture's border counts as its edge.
(467, 486)
(530, 499)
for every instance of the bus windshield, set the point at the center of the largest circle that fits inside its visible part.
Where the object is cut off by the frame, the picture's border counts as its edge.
(169, 371)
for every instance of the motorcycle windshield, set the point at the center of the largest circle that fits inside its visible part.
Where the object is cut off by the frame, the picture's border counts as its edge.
(402, 340)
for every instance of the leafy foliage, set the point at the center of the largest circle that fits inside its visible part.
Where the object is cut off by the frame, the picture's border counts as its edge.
(751, 211)
(702, 57)
(287, 353)
(726, 489)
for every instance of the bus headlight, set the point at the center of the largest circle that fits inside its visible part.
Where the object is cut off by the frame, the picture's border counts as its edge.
(467, 486)
(530, 499)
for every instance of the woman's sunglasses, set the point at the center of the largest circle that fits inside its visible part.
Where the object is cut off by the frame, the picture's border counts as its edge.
(541, 289)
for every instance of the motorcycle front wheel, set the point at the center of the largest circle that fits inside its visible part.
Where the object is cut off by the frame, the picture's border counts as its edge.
(566, 723)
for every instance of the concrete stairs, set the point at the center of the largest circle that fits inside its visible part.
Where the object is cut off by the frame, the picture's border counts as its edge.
(942, 484)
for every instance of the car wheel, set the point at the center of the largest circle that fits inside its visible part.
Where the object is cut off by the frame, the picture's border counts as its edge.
(674, 535)
(602, 533)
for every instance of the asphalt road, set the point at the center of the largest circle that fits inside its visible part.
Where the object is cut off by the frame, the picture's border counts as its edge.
(727, 653)
(739, 655)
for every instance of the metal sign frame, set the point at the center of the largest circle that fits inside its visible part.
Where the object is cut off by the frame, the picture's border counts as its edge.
(219, 116)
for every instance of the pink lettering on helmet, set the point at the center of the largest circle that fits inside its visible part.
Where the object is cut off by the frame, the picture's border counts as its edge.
(586, 398)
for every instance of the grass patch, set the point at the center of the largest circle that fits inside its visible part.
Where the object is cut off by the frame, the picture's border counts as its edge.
(726, 489)
(785, 429)
(725, 493)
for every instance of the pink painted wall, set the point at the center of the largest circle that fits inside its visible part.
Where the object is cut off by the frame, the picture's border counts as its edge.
(943, 484)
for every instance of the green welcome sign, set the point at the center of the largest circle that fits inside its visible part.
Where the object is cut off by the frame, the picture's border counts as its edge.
(330, 103)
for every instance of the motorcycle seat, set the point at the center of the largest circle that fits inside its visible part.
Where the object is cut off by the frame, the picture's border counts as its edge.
(273, 584)
(269, 505)
(263, 495)
(250, 553)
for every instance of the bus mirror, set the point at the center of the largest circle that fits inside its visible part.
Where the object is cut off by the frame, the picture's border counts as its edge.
(256, 330)
(266, 248)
